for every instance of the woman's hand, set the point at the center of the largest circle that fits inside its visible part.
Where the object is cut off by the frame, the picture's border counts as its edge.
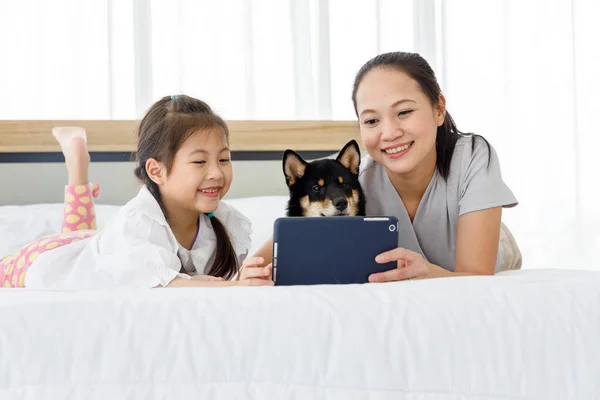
(410, 265)
(252, 274)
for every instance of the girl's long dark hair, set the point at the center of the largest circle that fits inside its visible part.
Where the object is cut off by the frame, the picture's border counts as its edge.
(162, 131)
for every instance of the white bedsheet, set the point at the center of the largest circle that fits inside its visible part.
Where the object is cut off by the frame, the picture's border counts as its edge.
(523, 335)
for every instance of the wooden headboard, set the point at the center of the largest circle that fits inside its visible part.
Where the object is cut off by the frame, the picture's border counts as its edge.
(30, 136)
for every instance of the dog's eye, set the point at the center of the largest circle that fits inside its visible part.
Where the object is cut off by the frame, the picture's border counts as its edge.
(316, 188)
(344, 184)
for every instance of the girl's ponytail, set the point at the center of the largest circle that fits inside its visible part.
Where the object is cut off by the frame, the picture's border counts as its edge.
(226, 263)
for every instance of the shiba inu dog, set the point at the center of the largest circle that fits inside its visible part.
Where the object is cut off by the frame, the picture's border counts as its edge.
(325, 188)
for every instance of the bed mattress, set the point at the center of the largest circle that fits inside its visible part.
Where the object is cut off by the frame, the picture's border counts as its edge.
(518, 335)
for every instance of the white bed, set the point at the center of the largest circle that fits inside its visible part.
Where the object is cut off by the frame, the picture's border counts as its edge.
(529, 334)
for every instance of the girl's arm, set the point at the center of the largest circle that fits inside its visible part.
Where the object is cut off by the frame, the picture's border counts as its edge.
(183, 282)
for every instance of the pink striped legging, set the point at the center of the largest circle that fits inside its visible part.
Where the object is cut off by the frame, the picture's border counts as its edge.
(79, 222)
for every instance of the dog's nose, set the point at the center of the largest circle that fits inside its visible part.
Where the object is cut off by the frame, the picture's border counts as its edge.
(340, 204)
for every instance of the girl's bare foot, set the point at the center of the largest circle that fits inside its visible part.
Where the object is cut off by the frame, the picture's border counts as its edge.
(73, 143)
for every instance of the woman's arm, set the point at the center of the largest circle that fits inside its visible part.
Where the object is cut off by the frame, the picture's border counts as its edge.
(266, 252)
(477, 237)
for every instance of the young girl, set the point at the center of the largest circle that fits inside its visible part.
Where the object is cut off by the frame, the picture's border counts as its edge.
(174, 233)
(445, 187)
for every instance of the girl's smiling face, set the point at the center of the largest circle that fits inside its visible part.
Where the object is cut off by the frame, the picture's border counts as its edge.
(200, 175)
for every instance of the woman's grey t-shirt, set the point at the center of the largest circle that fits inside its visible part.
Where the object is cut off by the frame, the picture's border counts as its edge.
(472, 185)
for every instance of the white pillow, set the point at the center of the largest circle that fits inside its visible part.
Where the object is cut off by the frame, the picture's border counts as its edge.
(262, 211)
(20, 225)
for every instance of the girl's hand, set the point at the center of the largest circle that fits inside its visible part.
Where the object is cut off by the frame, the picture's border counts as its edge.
(207, 278)
(252, 274)
(410, 265)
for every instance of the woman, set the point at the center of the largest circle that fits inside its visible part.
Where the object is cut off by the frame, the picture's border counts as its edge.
(445, 187)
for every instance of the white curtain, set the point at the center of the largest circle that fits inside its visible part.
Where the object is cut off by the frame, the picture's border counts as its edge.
(523, 73)
(250, 59)
(526, 75)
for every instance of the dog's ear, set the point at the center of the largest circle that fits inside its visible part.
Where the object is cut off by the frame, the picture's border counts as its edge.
(349, 157)
(293, 166)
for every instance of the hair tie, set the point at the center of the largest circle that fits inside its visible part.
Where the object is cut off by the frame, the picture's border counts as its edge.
(210, 215)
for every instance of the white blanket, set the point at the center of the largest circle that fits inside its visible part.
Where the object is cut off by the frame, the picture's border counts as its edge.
(520, 335)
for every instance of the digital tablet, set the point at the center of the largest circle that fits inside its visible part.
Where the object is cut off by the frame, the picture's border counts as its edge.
(331, 250)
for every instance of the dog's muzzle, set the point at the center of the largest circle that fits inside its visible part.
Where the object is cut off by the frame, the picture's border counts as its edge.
(340, 204)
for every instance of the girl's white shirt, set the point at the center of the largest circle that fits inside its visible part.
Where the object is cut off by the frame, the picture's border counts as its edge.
(137, 249)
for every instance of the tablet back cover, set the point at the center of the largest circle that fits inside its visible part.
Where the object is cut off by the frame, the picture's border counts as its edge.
(331, 250)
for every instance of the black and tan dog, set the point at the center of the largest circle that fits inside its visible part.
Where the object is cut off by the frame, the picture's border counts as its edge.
(327, 187)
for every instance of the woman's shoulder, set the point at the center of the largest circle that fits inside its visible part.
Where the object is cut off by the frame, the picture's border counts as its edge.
(472, 153)
(368, 170)
(470, 147)
(476, 172)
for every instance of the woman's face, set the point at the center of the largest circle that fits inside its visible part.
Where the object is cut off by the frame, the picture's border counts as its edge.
(398, 123)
